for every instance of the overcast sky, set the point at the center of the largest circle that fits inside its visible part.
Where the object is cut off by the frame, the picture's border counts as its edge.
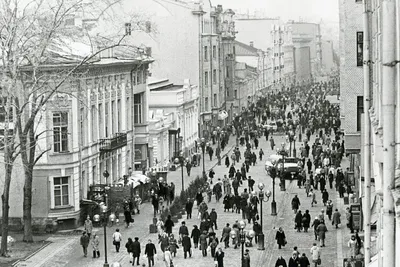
(314, 10)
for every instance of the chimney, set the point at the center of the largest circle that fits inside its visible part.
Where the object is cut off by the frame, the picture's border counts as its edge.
(252, 44)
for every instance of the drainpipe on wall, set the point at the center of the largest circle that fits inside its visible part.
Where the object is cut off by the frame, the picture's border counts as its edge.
(367, 139)
(388, 112)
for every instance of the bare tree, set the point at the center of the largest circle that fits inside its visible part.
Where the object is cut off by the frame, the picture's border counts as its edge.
(34, 34)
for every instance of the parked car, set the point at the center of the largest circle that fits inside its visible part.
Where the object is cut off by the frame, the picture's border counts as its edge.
(291, 166)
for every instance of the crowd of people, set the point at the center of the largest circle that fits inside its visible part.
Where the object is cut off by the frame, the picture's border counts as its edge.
(301, 111)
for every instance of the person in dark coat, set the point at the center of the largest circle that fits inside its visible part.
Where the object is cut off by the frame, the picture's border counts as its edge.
(168, 225)
(280, 238)
(128, 217)
(84, 243)
(298, 221)
(136, 251)
(325, 196)
(306, 220)
(304, 262)
(189, 208)
(227, 162)
(195, 235)
(219, 257)
(280, 262)
(199, 197)
(295, 203)
(129, 247)
(246, 259)
(187, 246)
(315, 224)
(150, 251)
(294, 261)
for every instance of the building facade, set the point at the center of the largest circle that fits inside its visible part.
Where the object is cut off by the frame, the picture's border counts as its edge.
(305, 34)
(179, 105)
(89, 131)
(283, 57)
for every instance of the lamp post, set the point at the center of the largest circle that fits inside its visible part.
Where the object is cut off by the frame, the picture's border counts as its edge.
(106, 175)
(242, 237)
(261, 186)
(284, 154)
(96, 218)
(294, 145)
(181, 161)
(272, 173)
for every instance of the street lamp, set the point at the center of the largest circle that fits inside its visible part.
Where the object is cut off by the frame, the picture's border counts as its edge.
(272, 173)
(106, 175)
(96, 218)
(284, 154)
(261, 197)
(181, 160)
(242, 237)
(294, 145)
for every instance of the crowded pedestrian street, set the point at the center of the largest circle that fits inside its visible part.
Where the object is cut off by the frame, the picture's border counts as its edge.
(66, 250)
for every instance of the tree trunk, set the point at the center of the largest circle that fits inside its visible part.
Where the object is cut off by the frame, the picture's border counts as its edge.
(5, 197)
(27, 208)
(27, 149)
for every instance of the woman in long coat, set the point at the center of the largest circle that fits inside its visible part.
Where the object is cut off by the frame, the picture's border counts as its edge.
(336, 218)
(306, 220)
(280, 238)
(227, 162)
(298, 221)
(173, 245)
(227, 202)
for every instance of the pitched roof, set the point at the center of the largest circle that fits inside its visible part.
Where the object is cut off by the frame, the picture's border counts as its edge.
(243, 49)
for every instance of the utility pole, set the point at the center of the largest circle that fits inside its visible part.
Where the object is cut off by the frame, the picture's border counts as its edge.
(367, 138)
(388, 112)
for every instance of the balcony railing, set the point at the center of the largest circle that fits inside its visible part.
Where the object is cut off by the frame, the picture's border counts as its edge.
(110, 144)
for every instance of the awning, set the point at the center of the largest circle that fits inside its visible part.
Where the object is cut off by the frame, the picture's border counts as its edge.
(222, 115)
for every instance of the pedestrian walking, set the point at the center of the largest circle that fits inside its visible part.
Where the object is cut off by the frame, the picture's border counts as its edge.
(313, 198)
(168, 258)
(168, 225)
(315, 255)
(295, 204)
(227, 162)
(95, 245)
(173, 245)
(203, 243)
(164, 242)
(280, 262)
(329, 209)
(195, 235)
(298, 220)
(213, 245)
(160, 227)
(336, 218)
(88, 226)
(84, 243)
(225, 235)
(250, 182)
(187, 246)
(261, 154)
(306, 220)
(188, 168)
(129, 249)
(117, 238)
(325, 196)
(352, 244)
(150, 251)
(136, 251)
(213, 219)
(272, 143)
(280, 238)
(246, 259)
(315, 224)
(183, 230)
(219, 257)
(189, 208)
(303, 261)
(294, 261)
(321, 229)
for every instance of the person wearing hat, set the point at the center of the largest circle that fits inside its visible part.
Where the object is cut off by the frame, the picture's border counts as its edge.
(294, 261)
(246, 259)
(189, 208)
(95, 245)
(219, 257)
(213, 219)
(136, 251)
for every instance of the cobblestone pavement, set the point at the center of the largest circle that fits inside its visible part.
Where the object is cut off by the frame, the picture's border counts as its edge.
(65, 251)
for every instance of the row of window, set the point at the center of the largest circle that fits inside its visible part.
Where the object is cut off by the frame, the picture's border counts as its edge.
(279, 67)
(214, 52)
(138, 77)
(215, 102)
(279, 54)
(214, 77)
(97, 121)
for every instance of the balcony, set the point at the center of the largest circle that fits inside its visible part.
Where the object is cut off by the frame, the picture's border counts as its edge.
(113, 143)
